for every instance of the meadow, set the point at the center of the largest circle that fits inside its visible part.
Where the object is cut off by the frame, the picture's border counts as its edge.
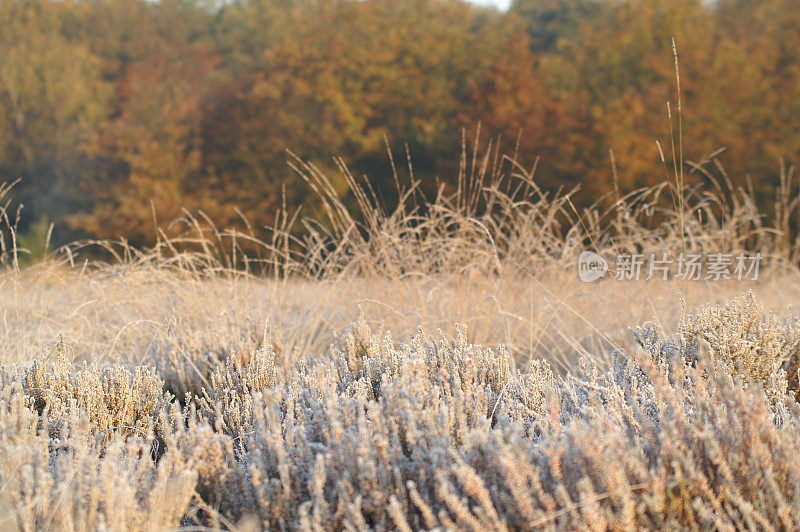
(436, 365)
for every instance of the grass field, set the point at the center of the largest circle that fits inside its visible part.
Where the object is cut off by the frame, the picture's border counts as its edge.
(437, 365)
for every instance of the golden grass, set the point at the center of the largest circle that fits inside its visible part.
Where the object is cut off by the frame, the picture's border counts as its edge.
(439, 364)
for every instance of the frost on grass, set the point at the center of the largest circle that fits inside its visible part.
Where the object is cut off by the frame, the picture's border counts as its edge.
(78, 451)
(697, 430)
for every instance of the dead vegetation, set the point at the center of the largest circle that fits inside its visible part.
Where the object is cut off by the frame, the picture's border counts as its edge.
(437, 365)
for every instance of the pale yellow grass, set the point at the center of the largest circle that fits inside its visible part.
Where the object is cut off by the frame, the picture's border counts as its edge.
(439, 365)
(139, 316)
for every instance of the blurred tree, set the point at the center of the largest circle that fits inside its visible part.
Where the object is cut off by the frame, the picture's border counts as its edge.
(338, 78)
(161, 59)
(155, 136)
(619, 74)
(52, 100)
(115, 110)
(552, 21)
(768, 33)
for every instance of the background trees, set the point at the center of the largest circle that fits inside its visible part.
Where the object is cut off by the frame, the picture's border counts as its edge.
(53, 99)
(116, 111)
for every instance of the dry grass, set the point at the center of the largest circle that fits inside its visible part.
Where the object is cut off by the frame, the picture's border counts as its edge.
(249, 379)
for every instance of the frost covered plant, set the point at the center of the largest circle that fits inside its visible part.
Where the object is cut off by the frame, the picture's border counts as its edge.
(442, 433)
(113, 398)
(689, 431)
(234, 404)
(747, 338)
(60, 468)
(228, 403)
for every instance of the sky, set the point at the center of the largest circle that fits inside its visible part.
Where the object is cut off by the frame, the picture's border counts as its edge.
(502, 4)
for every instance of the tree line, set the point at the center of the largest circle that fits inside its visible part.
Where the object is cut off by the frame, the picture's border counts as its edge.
(117, 114)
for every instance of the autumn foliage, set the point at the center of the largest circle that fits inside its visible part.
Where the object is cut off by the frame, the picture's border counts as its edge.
(119, 114)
